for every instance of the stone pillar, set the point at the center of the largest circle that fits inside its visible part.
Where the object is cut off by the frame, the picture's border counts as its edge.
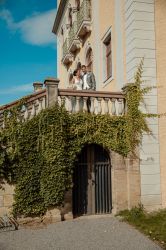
(37, 86)
(119, 183)
(52, 91)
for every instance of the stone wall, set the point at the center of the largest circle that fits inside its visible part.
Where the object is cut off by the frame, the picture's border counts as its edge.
(6, 199)
(125, 191)
(125, 182)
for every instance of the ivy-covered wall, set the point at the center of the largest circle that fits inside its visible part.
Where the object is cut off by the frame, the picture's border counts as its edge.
(38, 156)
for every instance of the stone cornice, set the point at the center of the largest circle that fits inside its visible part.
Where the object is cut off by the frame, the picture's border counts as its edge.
(59, 14)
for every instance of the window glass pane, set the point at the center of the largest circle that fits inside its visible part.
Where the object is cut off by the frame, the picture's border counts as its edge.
(108, 56)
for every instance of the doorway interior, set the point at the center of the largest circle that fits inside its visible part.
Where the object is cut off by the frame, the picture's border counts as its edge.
(92, 193)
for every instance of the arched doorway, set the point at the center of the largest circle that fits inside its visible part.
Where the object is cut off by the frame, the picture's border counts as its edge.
(92, 182)
(89, 59)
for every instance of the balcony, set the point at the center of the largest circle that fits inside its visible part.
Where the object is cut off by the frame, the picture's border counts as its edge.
(102, 102)
(74, 43)
(67, 58)
(112, 103)
(84, 19)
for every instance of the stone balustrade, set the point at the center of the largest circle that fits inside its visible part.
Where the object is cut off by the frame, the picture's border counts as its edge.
(33, 105)
(95, 102)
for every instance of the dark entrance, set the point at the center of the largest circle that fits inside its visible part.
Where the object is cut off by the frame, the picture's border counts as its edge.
(92, 182)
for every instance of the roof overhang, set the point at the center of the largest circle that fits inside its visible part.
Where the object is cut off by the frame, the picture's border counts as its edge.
(59, 15)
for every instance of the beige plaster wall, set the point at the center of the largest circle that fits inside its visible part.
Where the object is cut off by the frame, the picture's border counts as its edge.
(106, 21)
(103, 18)
(160, 25)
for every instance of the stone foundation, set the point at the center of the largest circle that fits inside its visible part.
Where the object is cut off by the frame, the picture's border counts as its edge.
(125, 192)
(6, 199)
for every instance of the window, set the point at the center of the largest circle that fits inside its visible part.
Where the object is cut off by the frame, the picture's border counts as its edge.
(70, 17)
(78, 5)
(89, 59)
(108, 57)
(78, 65)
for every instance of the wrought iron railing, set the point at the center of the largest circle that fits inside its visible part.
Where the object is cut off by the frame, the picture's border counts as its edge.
(84, 14)
(72, 33)
(8, 223)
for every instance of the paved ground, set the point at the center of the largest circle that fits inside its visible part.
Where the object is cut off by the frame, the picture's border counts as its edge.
(86, 233)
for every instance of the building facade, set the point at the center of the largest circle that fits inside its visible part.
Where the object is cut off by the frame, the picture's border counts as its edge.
(111, 37)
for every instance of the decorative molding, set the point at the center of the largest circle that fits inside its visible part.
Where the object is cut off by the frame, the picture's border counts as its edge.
(59, 15)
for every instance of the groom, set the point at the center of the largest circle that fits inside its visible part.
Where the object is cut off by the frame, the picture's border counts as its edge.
(88, 77)
(89, 83)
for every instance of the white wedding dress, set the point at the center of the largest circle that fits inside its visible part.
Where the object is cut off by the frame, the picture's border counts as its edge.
(78, 85)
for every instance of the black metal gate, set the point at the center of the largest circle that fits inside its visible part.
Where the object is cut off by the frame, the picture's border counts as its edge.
(92, 182)
(80, 180)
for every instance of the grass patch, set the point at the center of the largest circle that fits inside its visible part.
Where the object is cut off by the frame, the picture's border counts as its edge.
(152, 224)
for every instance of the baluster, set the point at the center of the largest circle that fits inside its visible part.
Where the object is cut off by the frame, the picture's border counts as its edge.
(70, 105)
(37, 107)
(63, 101)
(40, 105)
(92, 108)
(33, 111)
(44, 103)
(106, 109)
(85, 108)
(113, 108)
(99, 109)
(125, 107)
(26, 115)
(77, 108)
(9, 115)
(3, 124)
(121, 107)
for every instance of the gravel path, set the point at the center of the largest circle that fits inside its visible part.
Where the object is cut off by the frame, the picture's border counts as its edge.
(86, 233)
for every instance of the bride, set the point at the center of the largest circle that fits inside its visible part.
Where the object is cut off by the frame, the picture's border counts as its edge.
(77, 80)
(77, 83)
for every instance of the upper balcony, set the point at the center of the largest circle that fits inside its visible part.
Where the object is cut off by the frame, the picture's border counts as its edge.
(74, 43)
(67, 58)
(84, 19)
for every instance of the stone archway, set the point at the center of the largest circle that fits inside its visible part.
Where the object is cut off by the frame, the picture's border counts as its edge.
(92, 192)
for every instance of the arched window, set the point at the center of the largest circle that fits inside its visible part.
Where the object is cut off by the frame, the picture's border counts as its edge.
(89, 59)
(78, 4)
(70, 77)
(70, 17)
(78, 65)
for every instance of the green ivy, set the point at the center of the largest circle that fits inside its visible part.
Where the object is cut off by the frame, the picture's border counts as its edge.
(38, 156)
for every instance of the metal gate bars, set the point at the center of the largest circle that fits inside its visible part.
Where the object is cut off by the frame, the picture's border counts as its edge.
(92, 192)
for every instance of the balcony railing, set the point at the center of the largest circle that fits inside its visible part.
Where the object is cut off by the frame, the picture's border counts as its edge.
(66, 56)
(33, 105)
(84, 18)
(95, 102)
(100, 102)
(74, 43)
